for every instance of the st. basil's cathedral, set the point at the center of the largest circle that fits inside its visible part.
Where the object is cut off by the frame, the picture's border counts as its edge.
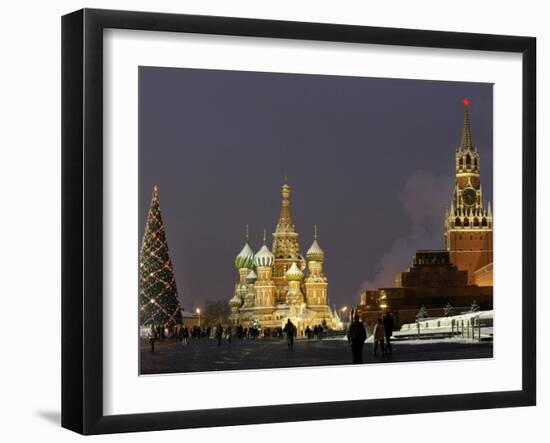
(279, 283)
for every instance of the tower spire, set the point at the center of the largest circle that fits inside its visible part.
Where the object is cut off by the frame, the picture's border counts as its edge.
(247, 233)
(466, 141)
(285, 219)
(265, 236)
(315, 232)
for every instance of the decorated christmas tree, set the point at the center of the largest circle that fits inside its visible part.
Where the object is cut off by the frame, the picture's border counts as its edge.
(158, 294)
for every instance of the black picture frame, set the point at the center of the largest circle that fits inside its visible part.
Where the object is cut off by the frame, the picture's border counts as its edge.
(82, 232)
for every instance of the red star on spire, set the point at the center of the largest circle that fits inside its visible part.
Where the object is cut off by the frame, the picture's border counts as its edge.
(466, 102)
(155, 188)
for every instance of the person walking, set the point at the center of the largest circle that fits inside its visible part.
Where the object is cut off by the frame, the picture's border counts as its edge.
(378, 336)
(185, 334)
(356, 337)
(388, 331)
(219, 333)
(152, 335)
(228, 334)
(290, 331)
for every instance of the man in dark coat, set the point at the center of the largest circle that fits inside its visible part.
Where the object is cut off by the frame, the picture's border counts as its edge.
(357, 336)
(219, 333)
(388, 330)
(290, 331)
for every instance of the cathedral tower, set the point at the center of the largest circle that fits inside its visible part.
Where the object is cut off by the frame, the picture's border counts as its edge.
(316, 282)
(264, 285)
(294, 275)
(244, 262)
(285, 245)
(468, 223)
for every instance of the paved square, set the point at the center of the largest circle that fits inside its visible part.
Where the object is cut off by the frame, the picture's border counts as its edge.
(204, 354)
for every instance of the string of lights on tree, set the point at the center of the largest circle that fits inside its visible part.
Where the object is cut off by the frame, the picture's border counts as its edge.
(158, 294)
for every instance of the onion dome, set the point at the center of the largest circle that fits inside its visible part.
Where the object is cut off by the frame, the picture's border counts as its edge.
(315, 253)
(235, 301)
(294, 273)
(245, 259)
(251, 276)
(264, 257)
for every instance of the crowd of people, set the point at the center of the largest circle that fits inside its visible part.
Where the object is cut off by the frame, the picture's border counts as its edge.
(183, 333)
(357, 334)
(317, 332)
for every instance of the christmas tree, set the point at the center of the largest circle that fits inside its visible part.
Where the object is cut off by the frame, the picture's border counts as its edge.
(158, 295)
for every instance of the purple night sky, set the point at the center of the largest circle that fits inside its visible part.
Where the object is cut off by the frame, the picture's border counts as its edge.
(370, 161)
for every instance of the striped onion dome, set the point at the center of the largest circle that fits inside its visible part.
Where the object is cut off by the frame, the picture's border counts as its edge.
(264, 257)
(315, 253)
(251, 276)
(294, 273)
(245, 259)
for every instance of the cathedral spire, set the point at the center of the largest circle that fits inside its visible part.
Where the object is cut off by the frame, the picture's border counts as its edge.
(466, 141)
(285, 219)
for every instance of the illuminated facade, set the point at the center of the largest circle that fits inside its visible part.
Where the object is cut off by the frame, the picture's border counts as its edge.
(279, 283)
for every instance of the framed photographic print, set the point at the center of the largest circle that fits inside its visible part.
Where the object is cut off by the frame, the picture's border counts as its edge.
(280, 213)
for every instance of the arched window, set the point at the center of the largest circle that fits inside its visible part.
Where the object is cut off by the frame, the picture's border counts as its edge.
(466, 222)
(476, 222)
(484, 222)
(457, 222)
(468, 162)
(460, 164)
(475, 163)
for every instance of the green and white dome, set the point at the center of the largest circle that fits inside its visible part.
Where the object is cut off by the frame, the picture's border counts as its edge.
(294, 273)
(264, 257)
(245, 259)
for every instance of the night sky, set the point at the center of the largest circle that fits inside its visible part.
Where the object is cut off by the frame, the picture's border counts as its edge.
(370, 161)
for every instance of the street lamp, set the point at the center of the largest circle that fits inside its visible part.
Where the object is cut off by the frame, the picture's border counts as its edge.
(198, 311)
(343, 309)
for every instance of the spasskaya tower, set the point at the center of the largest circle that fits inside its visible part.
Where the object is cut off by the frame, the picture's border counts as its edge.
(468, 222)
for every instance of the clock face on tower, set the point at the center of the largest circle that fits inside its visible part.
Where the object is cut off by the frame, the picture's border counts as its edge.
(469, 197)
